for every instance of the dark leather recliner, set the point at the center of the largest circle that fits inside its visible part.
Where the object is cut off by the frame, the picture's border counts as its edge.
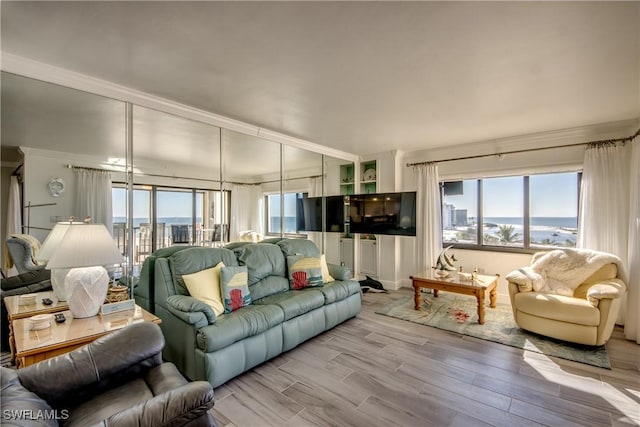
(118, 380)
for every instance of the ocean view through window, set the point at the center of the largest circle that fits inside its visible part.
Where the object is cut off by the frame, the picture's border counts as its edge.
(289, 217)
(527, 212)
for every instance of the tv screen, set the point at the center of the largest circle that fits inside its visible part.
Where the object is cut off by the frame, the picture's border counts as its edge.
(383, 213)
(309, 214)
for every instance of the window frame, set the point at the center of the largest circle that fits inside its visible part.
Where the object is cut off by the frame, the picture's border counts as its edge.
(302, 234)
(526, 247)
(153, 190)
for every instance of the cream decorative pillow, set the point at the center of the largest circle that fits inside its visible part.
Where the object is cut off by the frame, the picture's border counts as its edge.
(205, 286)
(326, 277)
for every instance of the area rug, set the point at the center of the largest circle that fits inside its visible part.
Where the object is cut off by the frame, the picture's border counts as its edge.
(458, 313)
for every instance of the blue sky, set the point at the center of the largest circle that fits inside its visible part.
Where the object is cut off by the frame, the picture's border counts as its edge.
(553, 195)
(170, 203)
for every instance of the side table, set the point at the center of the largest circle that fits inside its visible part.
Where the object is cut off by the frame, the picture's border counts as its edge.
(16, 311)
(61, 338)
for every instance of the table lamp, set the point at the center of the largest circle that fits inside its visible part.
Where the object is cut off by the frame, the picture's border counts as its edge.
(86, 249)
(49, 247)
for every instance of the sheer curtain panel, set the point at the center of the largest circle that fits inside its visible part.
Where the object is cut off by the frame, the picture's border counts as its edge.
(246, 210)
(429, 217)
(93, 196)
(632, 321)
(604, 204)
(14, 217)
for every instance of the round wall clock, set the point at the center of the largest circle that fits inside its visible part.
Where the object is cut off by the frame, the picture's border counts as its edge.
(56, 187)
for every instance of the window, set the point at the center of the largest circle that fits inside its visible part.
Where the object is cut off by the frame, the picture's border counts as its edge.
(526, 212)
(273, 213)
(554, 209)
(177, 210)
(503, 211)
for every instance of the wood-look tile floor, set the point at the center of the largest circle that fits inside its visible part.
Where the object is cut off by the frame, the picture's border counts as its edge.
(375, 370)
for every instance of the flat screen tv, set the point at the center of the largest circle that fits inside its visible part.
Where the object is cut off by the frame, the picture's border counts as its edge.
(383, 213)
(309, 213)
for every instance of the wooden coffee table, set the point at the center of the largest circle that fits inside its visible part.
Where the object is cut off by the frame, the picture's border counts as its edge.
(16, 311)
(478, 287)
(60, 338)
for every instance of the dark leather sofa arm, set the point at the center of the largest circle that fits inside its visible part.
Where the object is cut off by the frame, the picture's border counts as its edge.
(177, 407)
(88, 371)
(191, 310)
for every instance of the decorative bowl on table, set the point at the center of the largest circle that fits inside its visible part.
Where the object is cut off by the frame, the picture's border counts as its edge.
(442, 274)
(40, 321)
(117, 293)
(27, 299)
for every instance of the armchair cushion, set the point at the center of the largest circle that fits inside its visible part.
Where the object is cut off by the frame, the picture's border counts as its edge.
(162, 397)
(558, 307)
(117, 380)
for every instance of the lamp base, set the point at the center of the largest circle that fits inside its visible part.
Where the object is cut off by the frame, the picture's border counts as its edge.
(57, 283)
(86, 290)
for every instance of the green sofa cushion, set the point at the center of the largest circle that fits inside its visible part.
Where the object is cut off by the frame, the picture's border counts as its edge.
(262, 260)
(269, 286)
(195, 259)
(295, 303)
(238, 325)
(337, 290)
(299, 247)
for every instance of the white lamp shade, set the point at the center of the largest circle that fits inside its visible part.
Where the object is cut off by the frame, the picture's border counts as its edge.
(86, 246)
(53, 240)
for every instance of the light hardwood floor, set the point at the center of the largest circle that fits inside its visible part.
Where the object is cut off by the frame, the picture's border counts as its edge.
(375, 370)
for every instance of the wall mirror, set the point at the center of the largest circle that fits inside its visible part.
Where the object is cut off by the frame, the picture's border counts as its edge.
(176, 183)
(55, 126)
(250, 173)
(190, 182)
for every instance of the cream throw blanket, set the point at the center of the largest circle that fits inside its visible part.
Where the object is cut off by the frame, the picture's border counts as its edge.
(561, 271)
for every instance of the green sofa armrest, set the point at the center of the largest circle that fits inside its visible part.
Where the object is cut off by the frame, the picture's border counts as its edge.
(339, 272)
(191, 310)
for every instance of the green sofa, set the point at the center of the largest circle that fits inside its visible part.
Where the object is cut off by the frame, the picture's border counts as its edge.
(217, 348)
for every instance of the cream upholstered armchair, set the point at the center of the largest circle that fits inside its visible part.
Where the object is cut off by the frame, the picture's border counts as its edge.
(568, 294)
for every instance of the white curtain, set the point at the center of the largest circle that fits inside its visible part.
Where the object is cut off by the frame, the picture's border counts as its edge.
(93, 196)
(14, 206)
(632, 321)
(429, 216)
(14, 217)
(246, 210)
(604, 204)
(315, 187)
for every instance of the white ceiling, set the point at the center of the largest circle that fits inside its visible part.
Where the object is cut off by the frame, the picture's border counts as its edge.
(362, 77)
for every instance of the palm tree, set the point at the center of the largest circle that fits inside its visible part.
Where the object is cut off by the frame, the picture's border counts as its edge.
(507, 234)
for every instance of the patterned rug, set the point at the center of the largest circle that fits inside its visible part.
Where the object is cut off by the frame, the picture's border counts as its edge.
(458, 313)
